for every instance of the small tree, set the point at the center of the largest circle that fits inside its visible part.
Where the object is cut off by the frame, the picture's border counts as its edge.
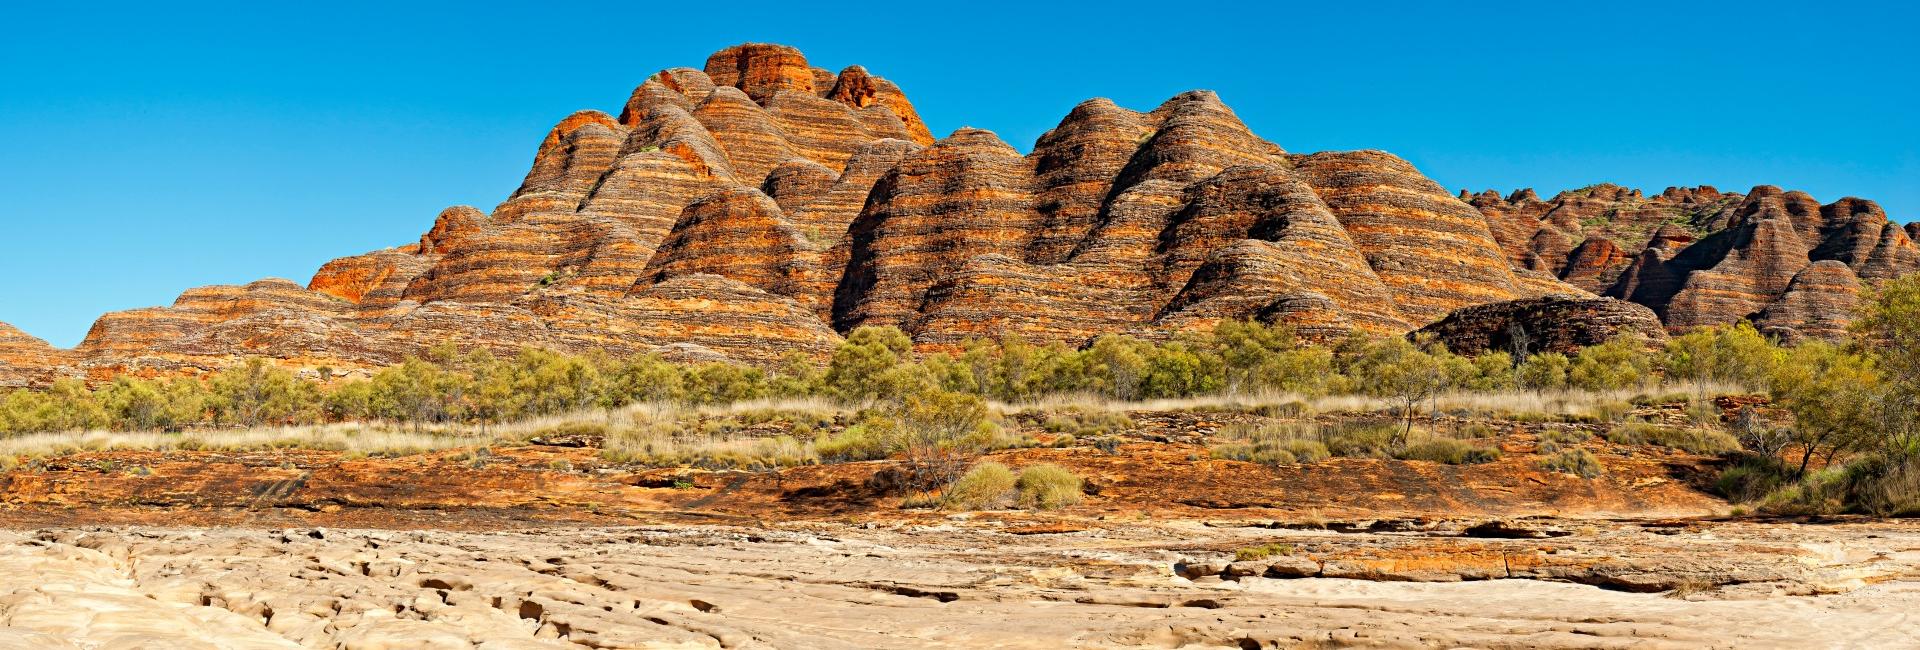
(1621, 362)
(1889, 329)
(414, 391)
(1118, 363)
(135, 404)
(859, 364)
(1543, 372)
(256, 392)
(1835, 397)
(1397, 369)
(1735, 354)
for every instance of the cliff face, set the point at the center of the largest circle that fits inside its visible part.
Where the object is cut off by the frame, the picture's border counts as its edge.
(1699, 256)
(760, 206)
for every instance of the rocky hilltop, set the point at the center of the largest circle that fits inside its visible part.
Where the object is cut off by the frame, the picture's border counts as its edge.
(1699, 256)
(760, 206)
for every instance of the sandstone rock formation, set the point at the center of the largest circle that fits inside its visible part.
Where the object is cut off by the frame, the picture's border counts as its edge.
(1699, 256)
(760, 205)
(25, 360)
(1550, 324)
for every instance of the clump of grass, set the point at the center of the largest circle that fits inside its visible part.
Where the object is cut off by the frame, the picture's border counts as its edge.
(856, 443)
(1450, 452)
(988, 486)
(1578, 462)
(1264, 551)
(1553, 440)
(1084, 423)
(1476, 430)
(1696, 441)
(1272, 444)
(1611, 411)
(1365, 440)
(1288, 409)
(352, 439)
(1660, 399)
(1273, 452)
(921, 501)
(1705, 413)
(573, 429)
(1048, 487)
(1883, 485)
(1752, 478)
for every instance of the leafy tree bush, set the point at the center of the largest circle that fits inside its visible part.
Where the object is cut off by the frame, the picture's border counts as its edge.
(1621, 362)
(859, 368)
(1543, 372)
(1735, 354)
(1835, 397)
(255, 392)
(1395, 368)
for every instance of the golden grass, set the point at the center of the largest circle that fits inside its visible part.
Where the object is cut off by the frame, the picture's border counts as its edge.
(667, 433)
(351, 438)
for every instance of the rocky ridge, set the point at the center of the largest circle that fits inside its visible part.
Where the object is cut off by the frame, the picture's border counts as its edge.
(760, 206)
(1699, 256)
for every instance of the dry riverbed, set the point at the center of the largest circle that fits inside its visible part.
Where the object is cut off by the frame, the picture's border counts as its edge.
(971, 582)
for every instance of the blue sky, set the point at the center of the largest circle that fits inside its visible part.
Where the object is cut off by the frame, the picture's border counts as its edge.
(148, 149)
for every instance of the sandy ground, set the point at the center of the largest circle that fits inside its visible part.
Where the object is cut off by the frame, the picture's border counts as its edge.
(970, 582)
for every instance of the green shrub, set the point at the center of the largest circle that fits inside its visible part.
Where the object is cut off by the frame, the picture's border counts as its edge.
(1048, 487)
(1261, 552)
(1621, 362)
(1450, 452)
(1543, 371)
(1578, 462)
(1752, 478)
(855, 443)
(1695, 441)
(988, 486)
(1883, 485)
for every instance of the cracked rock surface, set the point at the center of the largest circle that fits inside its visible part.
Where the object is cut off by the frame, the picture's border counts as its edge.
(969, 583)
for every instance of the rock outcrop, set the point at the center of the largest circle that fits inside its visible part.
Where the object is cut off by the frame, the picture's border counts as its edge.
(1549, 324)
(1699, 256)
(759, 206)
(26, 360)
(1816, 304)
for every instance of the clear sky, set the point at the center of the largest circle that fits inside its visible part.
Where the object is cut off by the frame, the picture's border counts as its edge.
(145, 149)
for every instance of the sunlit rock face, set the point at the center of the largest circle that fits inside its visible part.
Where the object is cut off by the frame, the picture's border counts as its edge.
(1699, 256)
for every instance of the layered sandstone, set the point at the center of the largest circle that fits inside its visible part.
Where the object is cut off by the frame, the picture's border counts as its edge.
(26, 360)
(1816, 304)
(1550, 324)
(1699, 256)
(760, 205)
